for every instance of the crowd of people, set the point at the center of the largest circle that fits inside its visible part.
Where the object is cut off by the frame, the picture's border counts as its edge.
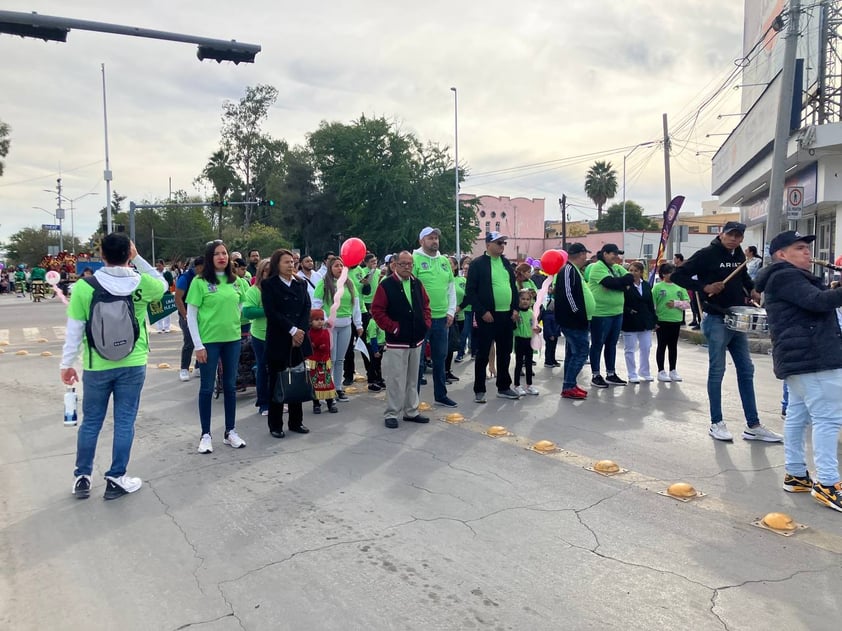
(423, 309)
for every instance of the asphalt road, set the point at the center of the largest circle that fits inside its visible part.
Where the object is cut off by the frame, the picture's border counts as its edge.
(437, 526)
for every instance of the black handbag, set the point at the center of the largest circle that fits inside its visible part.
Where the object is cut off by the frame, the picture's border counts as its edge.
(293, 385)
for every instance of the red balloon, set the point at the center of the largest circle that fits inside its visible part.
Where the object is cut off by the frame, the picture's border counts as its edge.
(552, 261)
(352, 251)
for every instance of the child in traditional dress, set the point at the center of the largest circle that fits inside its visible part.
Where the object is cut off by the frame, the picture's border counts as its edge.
(319, 364)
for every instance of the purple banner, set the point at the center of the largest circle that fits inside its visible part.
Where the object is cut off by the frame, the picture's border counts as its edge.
(670, 215)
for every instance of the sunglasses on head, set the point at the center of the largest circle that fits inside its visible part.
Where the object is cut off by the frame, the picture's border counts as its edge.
(214, 242)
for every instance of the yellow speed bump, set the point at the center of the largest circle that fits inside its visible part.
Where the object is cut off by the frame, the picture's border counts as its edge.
(496, 431)
(4, 342)
(22, 352)
(42, 340)
(351, 390)
(455, 417)
(46, 354)
(544, 447)
(423, 406)
(779, 523)
(359, 379)
(163, 366)
(606, 467)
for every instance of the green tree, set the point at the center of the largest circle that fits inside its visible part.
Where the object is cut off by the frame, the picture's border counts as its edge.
(600, 184)
(252, 154)
(221, 175)
(180, 232)
(612, 219)
(386, 185)
(5, 141)
(30, 245)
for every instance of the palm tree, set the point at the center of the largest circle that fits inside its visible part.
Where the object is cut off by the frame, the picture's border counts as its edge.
(600, 184)
(5, 131)
(220, 174)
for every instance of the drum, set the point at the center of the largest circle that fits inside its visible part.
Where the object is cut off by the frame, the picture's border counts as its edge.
(747, 320)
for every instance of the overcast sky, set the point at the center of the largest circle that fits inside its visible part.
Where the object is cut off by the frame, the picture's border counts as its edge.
(538, 81)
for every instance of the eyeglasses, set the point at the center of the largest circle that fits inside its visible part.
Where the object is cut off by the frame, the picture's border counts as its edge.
(403, 264)
(214, 242)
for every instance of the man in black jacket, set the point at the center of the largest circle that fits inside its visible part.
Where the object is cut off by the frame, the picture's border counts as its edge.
(711, 266)
(490, 289)
(807, 354)
(572, 297)
(401, 308)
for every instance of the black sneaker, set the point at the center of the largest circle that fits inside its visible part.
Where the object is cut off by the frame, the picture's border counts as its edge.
(347, 381)
(796, 484)
(508, 394)
(451, 377)
(447, 402)
(341, 396)
(417, 419)
(317, 408)
(459, 359)
(615, 380)
(598, 382)
(391, 423)
(830, 496)
(373, 387)
(331, 406)
(118, 487)
(82, 487)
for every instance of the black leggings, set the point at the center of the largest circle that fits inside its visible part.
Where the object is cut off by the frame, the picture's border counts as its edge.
(523, 359)
(667, 334)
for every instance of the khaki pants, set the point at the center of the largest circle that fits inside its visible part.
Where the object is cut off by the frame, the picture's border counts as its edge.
(400, 369)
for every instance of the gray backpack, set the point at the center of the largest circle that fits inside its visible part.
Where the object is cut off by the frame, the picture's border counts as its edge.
(112, 327)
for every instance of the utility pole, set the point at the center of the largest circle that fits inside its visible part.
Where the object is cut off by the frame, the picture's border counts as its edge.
(774, 210)
(667, 180)
(562, 202)
(59, 216)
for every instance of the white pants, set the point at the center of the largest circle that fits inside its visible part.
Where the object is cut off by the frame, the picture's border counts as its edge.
(400, 370)
(163, 324)
(631, 341)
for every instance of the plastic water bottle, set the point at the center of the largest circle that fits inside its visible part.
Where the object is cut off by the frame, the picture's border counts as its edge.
(70, 407)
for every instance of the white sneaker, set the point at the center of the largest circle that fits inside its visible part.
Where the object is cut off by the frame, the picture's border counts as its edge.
(532, 390)
(760, 432)
(118, 487)
(234, 440)
(197, 373)
(519, 390)
(647, 378)
(184, 375)
(205, 445)
(663, 376)
(720, 431)
(634, 379)
(674, 376)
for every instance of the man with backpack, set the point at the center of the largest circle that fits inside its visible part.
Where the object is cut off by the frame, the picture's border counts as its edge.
(106, 319)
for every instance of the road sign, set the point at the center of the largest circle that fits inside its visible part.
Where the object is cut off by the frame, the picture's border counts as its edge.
(50, 226)
(794, 199)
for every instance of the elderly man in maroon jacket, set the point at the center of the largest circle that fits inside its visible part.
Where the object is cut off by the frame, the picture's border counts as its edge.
(401, 308)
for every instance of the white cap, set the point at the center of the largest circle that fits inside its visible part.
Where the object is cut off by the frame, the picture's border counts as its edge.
(426, 232)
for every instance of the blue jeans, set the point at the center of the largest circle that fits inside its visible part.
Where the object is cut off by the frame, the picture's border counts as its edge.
(720, 338)
(261, 374)
(229, 354)
(466, 338)
(437, 336)
(575, 355)
(814, 398)
(605, 332)
(97, 387)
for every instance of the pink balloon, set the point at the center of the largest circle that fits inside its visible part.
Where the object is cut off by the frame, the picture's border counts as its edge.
(552, 261)
(352, 251)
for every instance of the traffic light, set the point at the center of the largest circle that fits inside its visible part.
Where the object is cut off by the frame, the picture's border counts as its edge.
(47, 33)
(228, 54)
(266, 202)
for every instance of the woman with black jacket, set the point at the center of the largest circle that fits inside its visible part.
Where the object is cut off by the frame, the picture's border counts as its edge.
(638, 323)
(286, 304)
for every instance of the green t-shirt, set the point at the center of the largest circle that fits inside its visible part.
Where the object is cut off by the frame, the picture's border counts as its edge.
(459, 284)
(374, 332)
(356, 275)
(609, 302)
(373, 281)
(253, 303)
(663, 293)
(528, 284)
(407, 290)
(38, 273)
(346, 303)
(587, 294)
(149, 290)
(219, 308)
(501, 286)
(523, 328)
(435, 274)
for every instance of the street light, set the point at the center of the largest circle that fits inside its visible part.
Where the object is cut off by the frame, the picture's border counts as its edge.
(72, 215)
(456, 168)
(625, 157)
(53, 215)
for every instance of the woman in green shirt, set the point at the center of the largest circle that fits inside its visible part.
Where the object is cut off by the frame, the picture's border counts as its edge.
(213, 317)
(253, 310)
(468, 320)
(454, 333)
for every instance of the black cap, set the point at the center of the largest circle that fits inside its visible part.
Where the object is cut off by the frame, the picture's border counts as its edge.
(734, 226)
(611, 247)
(786, 239)
(577, 248)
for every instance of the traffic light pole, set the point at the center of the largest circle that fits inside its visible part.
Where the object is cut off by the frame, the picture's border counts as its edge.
(133, 207)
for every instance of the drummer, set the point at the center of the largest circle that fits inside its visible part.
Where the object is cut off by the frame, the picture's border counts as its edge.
(706, 272)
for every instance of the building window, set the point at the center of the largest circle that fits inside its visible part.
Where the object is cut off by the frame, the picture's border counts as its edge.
(497, 226)
(647, 250)
(493, 214)
(488, 226)
(713, 229)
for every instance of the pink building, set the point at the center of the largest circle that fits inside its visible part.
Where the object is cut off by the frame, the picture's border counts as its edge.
(519, 218)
